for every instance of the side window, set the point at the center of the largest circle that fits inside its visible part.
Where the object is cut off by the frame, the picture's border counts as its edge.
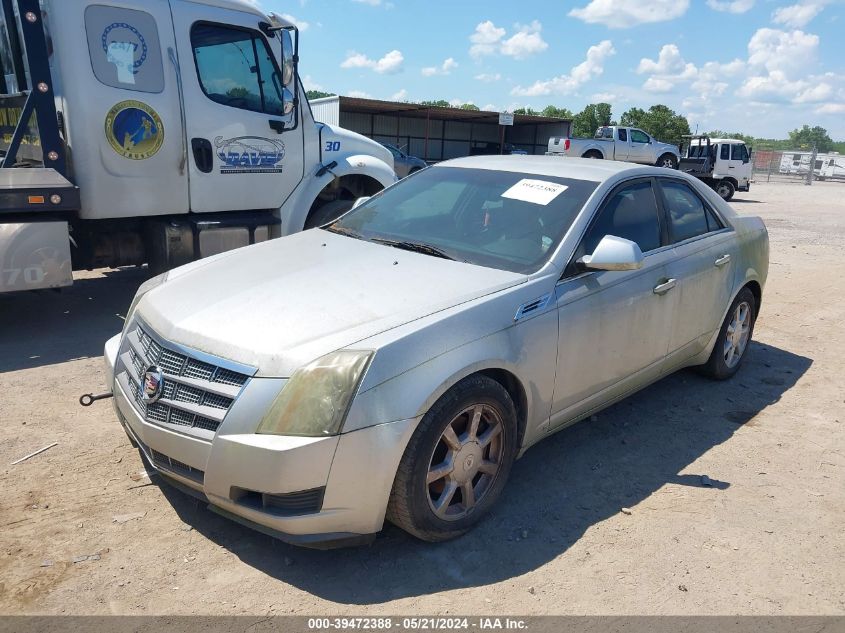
(738, 152)
(688, 217)
(724, 151)
(638, 136)
(124, 48)
(630, 213)
(237, 69)
(623, 135)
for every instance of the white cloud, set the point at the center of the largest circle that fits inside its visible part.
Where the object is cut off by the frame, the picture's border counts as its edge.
(359, 94)
(737, 6)
(669, 63)
(775, 50)
(831, 108)
(444, 69)
(389, 64)
(656, 84)
(489, 39)
(302, 25)
(490, 107)
(485, 39)
(604, 97)
(310, 84)
(799, 15)
(489, 77)
(402, 95)
(623, 14)
(525, 42)
(590, 68)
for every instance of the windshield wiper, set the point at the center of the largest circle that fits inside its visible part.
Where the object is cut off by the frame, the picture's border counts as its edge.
(416, 247)
(342, 230)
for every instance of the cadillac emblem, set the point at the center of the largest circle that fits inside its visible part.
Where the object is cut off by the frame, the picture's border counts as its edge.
(153, 384)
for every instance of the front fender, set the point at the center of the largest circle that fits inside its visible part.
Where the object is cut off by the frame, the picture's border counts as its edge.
(347, 165)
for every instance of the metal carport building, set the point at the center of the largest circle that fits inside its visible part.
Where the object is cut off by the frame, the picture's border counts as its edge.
(435, 133)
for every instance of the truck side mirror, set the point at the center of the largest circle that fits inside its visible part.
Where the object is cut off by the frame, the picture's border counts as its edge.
(289, 78)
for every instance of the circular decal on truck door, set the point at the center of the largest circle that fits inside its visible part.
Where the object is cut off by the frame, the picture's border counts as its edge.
(134, 130)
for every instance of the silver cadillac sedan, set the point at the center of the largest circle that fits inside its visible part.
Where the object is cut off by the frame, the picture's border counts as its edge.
(394, 363)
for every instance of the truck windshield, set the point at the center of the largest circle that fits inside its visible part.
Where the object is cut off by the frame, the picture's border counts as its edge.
(505, 220)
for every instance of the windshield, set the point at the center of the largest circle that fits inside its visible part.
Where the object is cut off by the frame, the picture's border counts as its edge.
(505, 220)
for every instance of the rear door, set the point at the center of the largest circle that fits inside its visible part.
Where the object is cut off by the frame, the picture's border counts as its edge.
(233, 108)
(622, 147)
(702, 265)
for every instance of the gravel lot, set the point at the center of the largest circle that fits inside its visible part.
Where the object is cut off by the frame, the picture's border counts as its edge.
(736, 490)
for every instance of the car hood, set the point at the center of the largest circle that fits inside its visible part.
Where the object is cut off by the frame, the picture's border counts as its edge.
(280, 304)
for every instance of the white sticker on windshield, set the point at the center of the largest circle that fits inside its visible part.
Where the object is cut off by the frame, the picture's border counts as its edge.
(535, 191)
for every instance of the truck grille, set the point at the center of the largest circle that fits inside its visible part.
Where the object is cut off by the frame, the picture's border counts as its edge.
(196, 395)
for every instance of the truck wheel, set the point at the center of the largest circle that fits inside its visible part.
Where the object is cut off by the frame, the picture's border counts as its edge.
(668, 161)
(457, 462)
(329, 212)
(593, 154)
(725, 189)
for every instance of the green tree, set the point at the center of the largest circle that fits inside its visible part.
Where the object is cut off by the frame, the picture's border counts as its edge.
(470, 106)
(528, 111)
(749, 140)
(440, 103)
(591, 118)
(660, 121)
(561, 113)
(808, 137)
(317, 94)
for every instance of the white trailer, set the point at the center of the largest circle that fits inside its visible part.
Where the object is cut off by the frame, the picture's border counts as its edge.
(159, 132)
(833, 167)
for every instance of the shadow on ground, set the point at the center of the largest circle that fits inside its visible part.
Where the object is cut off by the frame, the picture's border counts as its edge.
(557, 491)
(45, 327)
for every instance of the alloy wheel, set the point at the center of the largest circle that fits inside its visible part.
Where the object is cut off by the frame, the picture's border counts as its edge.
(466, 461)
(737, 335)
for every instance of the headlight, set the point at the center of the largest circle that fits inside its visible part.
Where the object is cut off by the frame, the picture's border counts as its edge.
(144, 288)
(315, 400)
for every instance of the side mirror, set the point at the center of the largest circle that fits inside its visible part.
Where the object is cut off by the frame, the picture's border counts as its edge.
(358, 202)
(614, 253)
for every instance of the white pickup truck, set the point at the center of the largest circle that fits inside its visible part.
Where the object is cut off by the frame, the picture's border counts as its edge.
(614, 142)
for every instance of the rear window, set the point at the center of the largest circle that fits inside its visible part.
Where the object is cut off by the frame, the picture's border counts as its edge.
(506, 220)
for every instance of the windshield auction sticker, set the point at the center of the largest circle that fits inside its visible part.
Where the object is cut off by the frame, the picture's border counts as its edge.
(535, 191)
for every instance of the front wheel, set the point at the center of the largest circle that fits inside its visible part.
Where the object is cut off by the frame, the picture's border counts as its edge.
(593, 154)
(457, 462)
(329, 212)
(734, 337)
(725, 189)
(668, 161)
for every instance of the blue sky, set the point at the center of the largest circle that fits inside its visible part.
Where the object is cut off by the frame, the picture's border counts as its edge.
(762, 67)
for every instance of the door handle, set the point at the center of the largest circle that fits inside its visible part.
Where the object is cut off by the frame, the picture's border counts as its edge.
(203, 154)
(731, 167)
(277, 126)
(721, 261)
(666, 286)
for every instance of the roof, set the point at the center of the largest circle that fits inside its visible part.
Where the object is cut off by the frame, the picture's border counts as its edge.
(416, 110)
(235, 5)
(563, 167)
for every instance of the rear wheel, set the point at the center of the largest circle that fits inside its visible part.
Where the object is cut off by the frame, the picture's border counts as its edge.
(457, 461)
(593, 154)
(668, 161)
(734, 337)
(725, 189)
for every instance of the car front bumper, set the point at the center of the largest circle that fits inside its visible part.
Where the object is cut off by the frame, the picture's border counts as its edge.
(317, 492)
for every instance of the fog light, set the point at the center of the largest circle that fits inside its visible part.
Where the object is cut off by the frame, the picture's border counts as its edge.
(56, 199)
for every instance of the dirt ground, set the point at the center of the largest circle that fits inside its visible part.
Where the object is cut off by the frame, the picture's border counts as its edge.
(736, 490)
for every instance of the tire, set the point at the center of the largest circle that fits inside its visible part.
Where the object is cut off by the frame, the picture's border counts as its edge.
(593, 154)
(414, 497)
(725, 189)
(668, 161)
(720, 366)
(329, 212)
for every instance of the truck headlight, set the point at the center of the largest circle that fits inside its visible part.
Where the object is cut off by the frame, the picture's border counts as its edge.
(315, 400)
(144, 288)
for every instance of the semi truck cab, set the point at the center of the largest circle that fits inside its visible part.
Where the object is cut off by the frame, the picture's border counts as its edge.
(159, 131)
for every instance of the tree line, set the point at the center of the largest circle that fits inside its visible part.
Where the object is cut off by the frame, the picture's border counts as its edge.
(660, 121)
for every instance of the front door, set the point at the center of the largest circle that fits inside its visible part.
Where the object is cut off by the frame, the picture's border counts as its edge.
(640, 151)
(614, 325)
(233, 108)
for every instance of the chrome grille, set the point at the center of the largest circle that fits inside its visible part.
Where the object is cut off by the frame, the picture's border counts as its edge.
(196, 395)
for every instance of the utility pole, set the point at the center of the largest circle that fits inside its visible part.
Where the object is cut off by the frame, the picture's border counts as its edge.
(811, 170)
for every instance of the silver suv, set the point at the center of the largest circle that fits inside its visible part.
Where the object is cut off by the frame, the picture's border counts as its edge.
(403, 164)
